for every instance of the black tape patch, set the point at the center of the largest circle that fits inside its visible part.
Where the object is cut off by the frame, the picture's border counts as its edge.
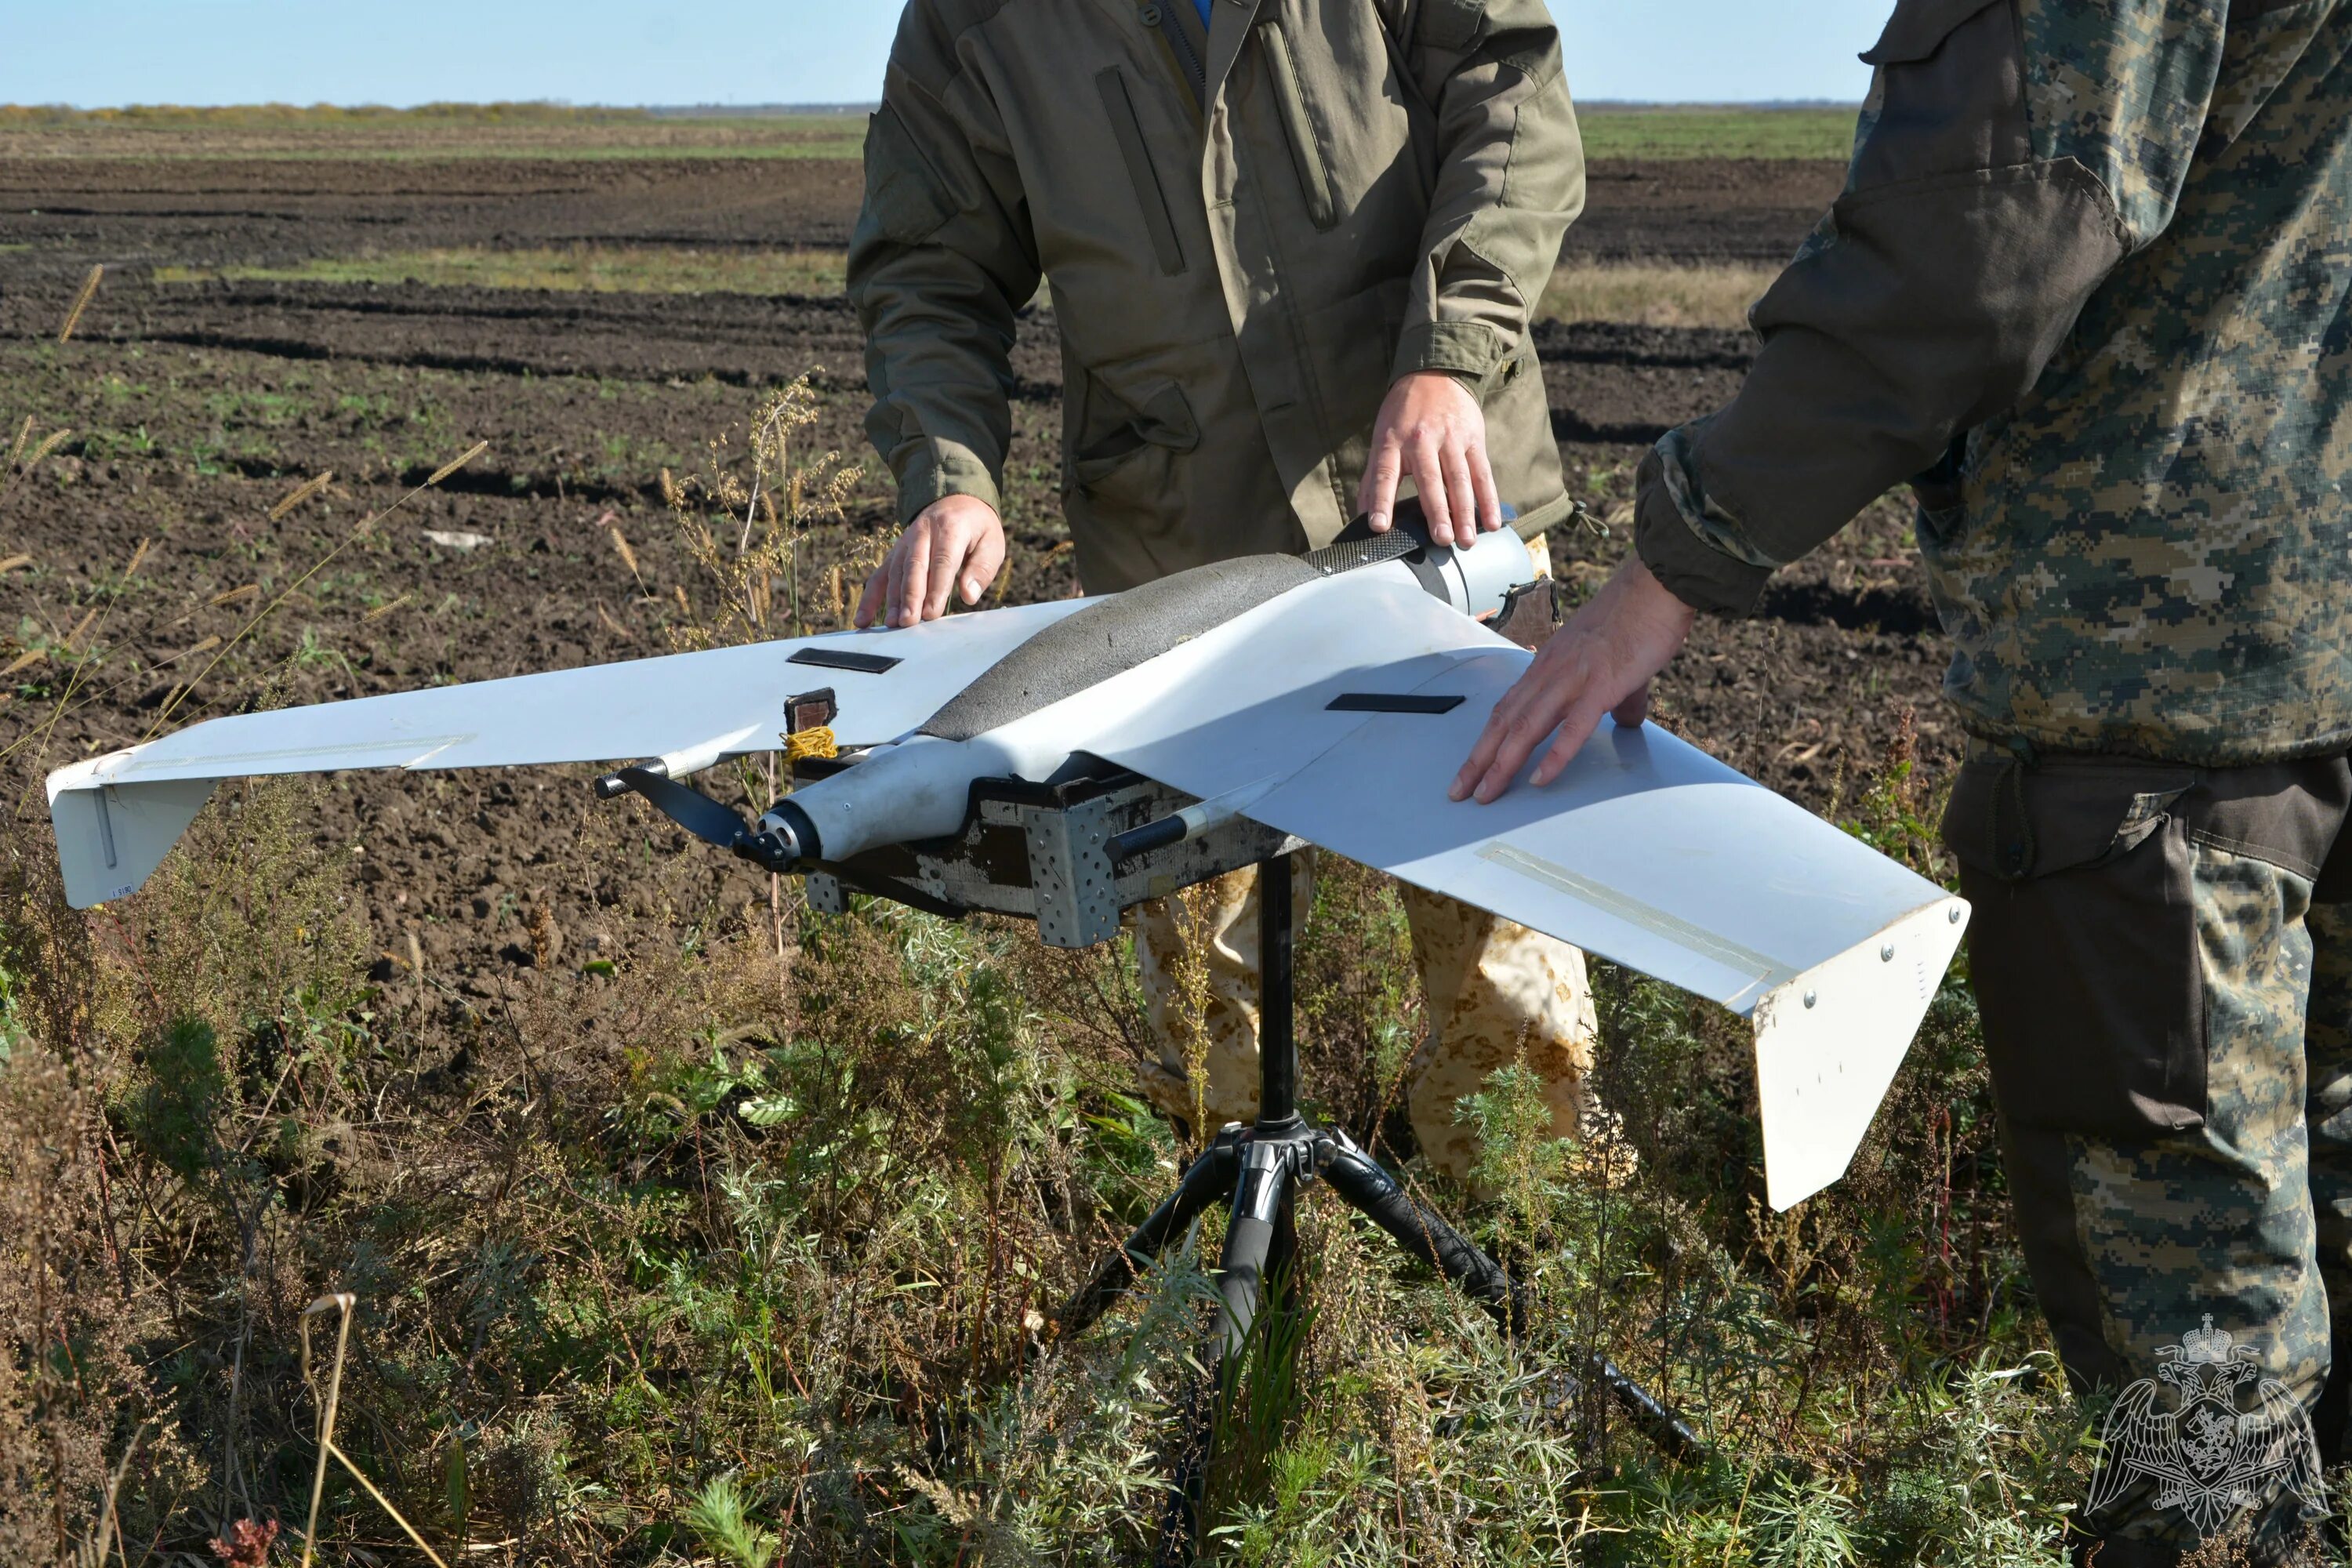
(842, 658)
(1392, 702)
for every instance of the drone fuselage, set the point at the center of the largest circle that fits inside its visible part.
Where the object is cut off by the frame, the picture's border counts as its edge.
(920, 789)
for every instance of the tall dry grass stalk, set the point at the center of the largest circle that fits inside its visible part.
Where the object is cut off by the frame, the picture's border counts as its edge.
(81, 302)
(329, 1408)
(26, 454)
(294, 498)
(741, 520)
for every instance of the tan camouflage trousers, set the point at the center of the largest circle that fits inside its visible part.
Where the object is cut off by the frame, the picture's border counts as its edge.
(2163, 959)
(1497, 994)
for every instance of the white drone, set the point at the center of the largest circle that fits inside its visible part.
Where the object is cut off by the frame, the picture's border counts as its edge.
(1326, 698)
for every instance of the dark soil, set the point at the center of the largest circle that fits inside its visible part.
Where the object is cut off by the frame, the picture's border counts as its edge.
(197, 407)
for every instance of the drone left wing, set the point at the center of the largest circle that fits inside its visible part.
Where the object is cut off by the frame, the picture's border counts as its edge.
(116, 815)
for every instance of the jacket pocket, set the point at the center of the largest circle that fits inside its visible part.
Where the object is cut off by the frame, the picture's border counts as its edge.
(1119, 107)
(1111, 435)
(906, 200)
(1297, 125)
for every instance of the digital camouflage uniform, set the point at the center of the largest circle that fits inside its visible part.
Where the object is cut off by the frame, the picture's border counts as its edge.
(2087, 288)
(1248, 231)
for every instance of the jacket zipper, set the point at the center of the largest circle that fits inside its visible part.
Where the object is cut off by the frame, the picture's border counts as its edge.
(1157, 13)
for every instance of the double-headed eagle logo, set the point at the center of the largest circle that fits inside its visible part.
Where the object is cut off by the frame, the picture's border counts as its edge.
(2207, 1457)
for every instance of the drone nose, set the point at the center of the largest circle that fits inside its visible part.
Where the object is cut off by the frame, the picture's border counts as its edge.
(784, 841)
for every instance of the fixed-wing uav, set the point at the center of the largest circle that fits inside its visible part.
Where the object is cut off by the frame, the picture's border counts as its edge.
(1094, 752)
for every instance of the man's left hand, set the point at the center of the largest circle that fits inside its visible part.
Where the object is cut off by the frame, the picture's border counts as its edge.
(1432, 429)
(1601, 662)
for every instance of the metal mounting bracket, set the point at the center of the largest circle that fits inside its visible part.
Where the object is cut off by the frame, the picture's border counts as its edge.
(1070, 869)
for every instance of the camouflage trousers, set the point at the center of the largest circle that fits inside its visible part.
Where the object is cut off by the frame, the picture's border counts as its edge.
(1497, 994)
(2163, 959)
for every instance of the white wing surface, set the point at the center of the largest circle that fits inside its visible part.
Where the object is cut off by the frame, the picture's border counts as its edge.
(1646, 850)
(116, 815)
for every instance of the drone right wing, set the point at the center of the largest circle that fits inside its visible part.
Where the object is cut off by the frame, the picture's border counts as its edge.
(1339, 711)
(116, 815)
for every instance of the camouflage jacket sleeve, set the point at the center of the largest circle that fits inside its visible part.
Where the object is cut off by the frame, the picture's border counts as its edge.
(941, 261)
(1508, 178)
(2012, 152)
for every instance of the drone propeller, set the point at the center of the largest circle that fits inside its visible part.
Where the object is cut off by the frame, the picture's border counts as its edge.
(691, 809)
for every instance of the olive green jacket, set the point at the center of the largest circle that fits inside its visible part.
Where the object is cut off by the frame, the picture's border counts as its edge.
(2087, 287)
(1361, 189)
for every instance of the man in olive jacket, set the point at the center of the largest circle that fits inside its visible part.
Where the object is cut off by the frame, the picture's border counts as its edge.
(1292, 248)
(2087, 290)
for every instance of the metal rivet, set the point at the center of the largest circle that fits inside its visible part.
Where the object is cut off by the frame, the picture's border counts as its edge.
(1811, 998)
(1956, 914)
(1886, 953)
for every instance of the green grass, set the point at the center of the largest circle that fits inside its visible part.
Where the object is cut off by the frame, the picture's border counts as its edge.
(593, 269)
(276, 132)
(1729, 132)
(273, 134)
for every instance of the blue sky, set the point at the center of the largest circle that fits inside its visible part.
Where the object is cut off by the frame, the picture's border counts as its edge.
(100, 52)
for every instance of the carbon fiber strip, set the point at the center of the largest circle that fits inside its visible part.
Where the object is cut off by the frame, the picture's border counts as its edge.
(1350, 554)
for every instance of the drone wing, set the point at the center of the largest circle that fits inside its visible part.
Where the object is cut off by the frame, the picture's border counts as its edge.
(116, 815)
(1339, 712)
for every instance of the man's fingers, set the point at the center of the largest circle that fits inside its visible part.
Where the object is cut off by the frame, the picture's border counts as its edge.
(877, 595)
(914, 574)
(1634, 711)
(984, 560)
(1461, 499)
(1482, 755)
(1570, 741)
(1429, 472)
(1490, 498)
(1527, 730)
(951, 541)
(1380, 482)
(1521, 721)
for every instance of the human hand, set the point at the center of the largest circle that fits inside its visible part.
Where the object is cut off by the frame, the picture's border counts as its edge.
(957, 541)
(1601, 662)
(1432, 429)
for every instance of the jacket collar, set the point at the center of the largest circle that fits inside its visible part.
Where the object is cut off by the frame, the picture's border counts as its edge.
(1231, 23)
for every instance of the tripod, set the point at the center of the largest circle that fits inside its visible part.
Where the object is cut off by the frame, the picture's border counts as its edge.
(1257, 1171)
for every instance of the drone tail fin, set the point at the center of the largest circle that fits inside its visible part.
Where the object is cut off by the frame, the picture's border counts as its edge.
(1829, 1041)
(110, 837)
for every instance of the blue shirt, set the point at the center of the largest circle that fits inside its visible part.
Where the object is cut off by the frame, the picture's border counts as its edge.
(1204, 6)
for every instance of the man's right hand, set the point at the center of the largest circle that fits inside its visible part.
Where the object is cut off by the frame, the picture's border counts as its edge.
(956, 542)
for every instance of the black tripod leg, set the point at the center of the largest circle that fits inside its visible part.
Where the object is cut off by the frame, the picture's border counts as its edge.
(1250, 1235)
(1379, 1197)
(1208, 1180)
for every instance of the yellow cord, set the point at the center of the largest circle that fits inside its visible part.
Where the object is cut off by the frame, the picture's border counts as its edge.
(815, 744)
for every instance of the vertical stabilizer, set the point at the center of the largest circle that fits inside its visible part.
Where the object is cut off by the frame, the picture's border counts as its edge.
(110, 837)
(1828, 1044)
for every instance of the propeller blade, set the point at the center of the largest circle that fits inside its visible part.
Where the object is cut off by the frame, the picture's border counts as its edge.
(691, 809)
